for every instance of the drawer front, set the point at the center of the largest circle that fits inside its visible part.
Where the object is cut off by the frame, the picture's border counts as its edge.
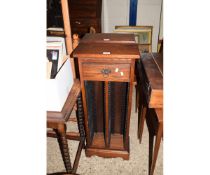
(106, 72)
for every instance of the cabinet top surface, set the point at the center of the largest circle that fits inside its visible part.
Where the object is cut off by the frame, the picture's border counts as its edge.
(108, 38)
(153, 66)
(104, 50)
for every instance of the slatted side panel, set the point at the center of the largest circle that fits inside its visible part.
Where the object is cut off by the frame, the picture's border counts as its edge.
(90, 108)
(118, 105)
(95, 106)
(107, 109)
(109, 112)
(126, 113)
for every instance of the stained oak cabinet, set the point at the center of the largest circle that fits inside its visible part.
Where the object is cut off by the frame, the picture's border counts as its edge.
(106, 74)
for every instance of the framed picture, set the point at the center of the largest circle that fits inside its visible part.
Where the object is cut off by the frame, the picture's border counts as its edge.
(53, 57)
(56, 51)
(143, 35)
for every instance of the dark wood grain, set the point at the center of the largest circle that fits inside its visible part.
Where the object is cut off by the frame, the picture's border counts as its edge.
(98, 105)
(85, 14)
(96, 50)
(150, 85)
(158, 57)
(152, 79)
(108, 38)
(118, 106)
(95, 72)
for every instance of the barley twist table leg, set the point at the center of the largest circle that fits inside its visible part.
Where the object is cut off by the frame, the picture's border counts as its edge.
(63, 143)
(80, 116)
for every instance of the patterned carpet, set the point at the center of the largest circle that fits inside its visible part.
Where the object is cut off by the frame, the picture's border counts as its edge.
(136, 165)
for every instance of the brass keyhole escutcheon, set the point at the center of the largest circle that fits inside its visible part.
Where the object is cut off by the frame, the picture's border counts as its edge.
(105, 72)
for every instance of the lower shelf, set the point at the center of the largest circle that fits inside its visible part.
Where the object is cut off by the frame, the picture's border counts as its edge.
(115, 149)
(116, 142)
(107, 153)
(98, 140)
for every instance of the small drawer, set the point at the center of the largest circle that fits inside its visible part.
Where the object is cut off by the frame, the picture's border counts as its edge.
(106, 72)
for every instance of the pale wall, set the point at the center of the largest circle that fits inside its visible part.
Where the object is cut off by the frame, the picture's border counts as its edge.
(116, 12)
(161, 25)
(149, 14)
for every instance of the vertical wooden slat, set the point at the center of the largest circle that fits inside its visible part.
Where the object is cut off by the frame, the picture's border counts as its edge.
(109, 113)
(67, 29)
(106, 94)
(118, 105)
(98, 103)
(127, 125)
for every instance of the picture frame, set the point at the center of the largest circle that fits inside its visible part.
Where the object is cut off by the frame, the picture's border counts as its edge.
(143, 35)
(55, 51)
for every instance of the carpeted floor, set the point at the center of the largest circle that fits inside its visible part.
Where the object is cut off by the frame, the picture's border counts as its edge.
(136, 165)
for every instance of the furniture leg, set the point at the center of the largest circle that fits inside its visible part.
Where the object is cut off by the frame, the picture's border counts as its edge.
(80, 116)
(80, 122)
(77, 157)
(63, 144)
(151, 140)
(156, 148)
(137, 98)
(142, 116)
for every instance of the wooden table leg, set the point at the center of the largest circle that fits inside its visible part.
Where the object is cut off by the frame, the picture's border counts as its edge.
(80, 116)
(63, 144)
(152, 160)
(80, 122)
(151, 141)
(137, 97)
(142, 116)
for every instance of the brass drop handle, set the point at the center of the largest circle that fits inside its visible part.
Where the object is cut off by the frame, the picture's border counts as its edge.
(105, 72)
